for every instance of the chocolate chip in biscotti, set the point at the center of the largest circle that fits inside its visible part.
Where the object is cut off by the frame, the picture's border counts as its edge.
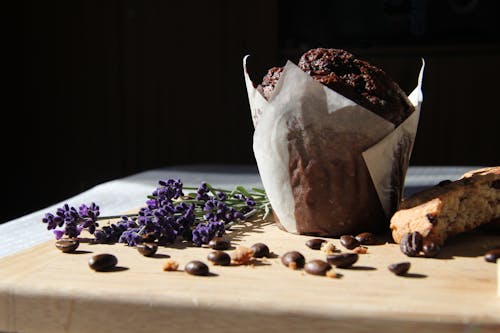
(411, 244)
(444, 182)
(496, 184)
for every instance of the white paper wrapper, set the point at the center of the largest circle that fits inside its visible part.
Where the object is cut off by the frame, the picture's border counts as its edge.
(301, 104)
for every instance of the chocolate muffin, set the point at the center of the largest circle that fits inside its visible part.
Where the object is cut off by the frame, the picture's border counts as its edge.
(355, 79)
(332, 188)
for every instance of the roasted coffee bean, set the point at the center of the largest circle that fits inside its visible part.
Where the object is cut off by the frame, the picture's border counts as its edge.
(411, 244)
(342, 260)
(317, 267)
(315, 243)
(293, 260)
(196, 267)
(431, 249)
(366, 238)
(492, 255)
(349, 242)
(103, 262)
(219, 258)
(219, 244)
(67, 245)
(147, 249)
(399, 268)
(260, 250)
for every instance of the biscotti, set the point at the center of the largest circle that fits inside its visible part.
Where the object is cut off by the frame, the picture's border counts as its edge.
(447, 209)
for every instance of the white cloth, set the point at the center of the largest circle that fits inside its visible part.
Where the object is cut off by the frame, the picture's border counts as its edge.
(118, 196)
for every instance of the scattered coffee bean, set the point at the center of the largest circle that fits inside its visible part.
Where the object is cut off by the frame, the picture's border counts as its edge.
(431, 249)
(149, 237)
(315, 243)
(342, 260)
(492, 255)
(293, 260)
(67, 245)
(219, 258)
(399, 268)
(196, 267)
(103, 262)
(366, 238)
(349, 242)
(147, 249)
(219, 244)
(317, 267)
(411, 244)
(260, 250)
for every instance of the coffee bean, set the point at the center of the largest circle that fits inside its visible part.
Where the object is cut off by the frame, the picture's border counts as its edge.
(411, 244)
(492, 255)
(342, 260)
(103, 262)
(366, 238)
(219, 244)
(260, 250)
(147, 249)
(293, 260)
(315, 243)
(399, 268)
(349, 242)
(67, 245)
(431, 249)
(219, 258)
(317, 267)
(196, 267)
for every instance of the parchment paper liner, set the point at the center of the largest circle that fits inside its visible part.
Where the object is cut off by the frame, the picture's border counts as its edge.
(297, 94)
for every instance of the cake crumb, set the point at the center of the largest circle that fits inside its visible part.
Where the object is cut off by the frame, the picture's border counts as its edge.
(360, 250)
(242, 256)
(328, 247)
(331, 274)
(170, 265)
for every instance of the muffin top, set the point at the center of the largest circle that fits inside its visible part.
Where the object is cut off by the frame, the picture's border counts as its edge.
(353, 78)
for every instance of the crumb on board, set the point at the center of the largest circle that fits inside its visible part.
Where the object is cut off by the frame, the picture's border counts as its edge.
(170, 265)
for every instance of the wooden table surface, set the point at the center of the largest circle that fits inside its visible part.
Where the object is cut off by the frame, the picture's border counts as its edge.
(45, 290)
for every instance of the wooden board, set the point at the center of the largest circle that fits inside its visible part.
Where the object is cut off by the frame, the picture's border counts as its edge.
(44, 290)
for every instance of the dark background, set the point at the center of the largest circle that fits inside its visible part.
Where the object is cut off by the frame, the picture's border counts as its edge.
(111, 88)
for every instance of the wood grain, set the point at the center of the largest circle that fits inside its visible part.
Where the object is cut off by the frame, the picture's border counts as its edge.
(44, 290)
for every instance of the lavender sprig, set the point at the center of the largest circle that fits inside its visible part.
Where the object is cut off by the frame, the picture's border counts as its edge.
(168, 215)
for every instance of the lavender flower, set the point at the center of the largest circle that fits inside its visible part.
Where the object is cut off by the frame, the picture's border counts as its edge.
(167, 215)
(205, 232)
